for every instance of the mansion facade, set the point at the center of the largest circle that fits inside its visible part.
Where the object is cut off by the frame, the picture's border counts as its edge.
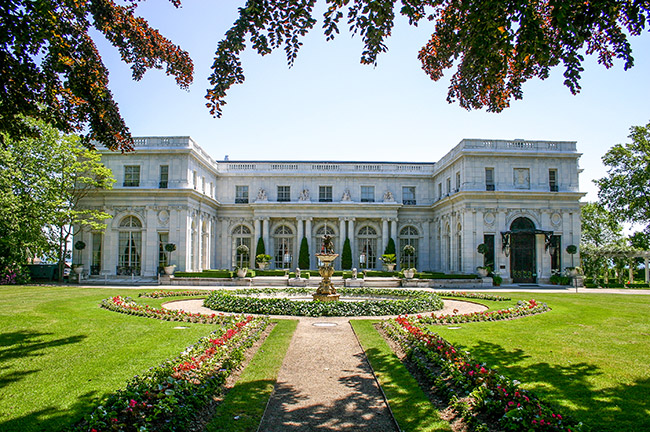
(520, 198)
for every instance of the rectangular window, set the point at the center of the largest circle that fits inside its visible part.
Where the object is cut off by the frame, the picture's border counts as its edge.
(195, 181)
(284, 193)
(488, 257)
(408, 195)
(163, 239)
(241, 194)
(96, 265)
(489, 179)
(367, 194)
(458, 181)
(448, 185)
(552, 180)
(556, 254)
(131, 176)
(439, 190)
(211, 190)
(164, 176)
(325, 193)
(203, 184)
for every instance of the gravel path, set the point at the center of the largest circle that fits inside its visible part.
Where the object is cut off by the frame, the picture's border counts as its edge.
(325, 382)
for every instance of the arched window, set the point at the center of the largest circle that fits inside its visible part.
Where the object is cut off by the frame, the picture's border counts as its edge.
(409, 236)
(129, 246)
(367, 247)
(522, 224)
(241, 235)
(283, 241)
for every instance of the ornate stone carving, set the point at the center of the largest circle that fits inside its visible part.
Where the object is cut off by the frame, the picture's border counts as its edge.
(522, 178)
(163, 217)
(304, 195)
(556, 220)
(261, 195)
(388, 197)
(489, 218)
(346, 196)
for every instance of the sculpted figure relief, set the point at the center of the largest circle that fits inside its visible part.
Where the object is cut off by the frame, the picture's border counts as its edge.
(261, 195)
(388, 196)
(304, 195)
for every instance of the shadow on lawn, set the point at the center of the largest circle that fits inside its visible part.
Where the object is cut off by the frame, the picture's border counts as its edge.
(53, 418)
(618, 408)
(23, 344)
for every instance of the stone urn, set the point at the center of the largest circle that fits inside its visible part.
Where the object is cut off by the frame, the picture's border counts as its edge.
(263, 265)
(482, 271)
(389, 267)
(241, 272)
(409, 273)
(572, 272)
(169, 270)
(78, 269)
(326, 290)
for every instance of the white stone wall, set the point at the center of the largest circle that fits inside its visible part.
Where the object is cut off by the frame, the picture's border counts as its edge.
(200, 214)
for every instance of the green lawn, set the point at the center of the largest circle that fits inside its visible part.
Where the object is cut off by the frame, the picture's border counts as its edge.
(60, 353)
(590, 355)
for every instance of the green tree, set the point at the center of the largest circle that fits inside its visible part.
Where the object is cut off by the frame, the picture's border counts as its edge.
(346, 255)
(601, 231)
(303, 257)
(390, 247)
(43, 180)
(625, 191)
(260, 250)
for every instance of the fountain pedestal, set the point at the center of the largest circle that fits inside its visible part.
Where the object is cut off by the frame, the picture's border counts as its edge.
(326, 290)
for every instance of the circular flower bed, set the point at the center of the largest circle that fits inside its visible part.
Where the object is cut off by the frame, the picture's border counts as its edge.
(249, 301)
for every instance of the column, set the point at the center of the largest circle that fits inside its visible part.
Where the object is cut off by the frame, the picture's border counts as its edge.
(301, 232)
(425, 246)
(265, 235)
(256, 231)
(308, 234)
(646, 270)
(353, 243)
(393, 234)
(299, 236)
(341, 234)
(226, 260)
(384, 234)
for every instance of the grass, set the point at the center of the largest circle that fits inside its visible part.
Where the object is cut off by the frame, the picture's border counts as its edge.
(411, 407)
(590, 355)
(60, 353)
(243, 406)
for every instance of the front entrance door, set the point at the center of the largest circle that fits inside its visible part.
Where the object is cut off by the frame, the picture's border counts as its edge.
(522, 257)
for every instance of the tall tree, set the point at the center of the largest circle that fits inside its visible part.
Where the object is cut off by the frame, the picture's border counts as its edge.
(625, 191)
(303, 256)
(50, 68)
(599, 226)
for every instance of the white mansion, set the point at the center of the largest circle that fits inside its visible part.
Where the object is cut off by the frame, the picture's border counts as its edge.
(520, 198)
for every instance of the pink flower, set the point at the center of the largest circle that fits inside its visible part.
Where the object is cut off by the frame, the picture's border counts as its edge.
(132, 403)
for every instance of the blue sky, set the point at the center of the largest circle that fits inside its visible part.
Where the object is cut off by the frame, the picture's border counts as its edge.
(329, 106)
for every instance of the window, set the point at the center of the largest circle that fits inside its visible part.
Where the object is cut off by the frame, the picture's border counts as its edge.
(283, 240)
(458, 181)
(284, 193)
(489, 179)
(131, 176)
(448, 185)
(203, 185)
(552, 180)
(241, 235)
(164, 176)
(556, 254)
(163, 239)
(241, 194)
(408, 195)
(488, 257)
(129, 244)
(409, 236)
(96, 265)
(211, 190)
(325, 193)
(439, 190)
(367, 247)
(367, 194)
(195, 181)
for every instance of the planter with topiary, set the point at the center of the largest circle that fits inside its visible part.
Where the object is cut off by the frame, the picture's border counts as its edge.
(242, 250)
(262, 261)
(169, 269)
(389, 261)
(79, 268)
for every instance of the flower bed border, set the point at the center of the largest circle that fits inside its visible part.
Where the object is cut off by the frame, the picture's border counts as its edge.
(126, 305)
(523, 308)
(234, 301)
(168, 396)
(490, 394)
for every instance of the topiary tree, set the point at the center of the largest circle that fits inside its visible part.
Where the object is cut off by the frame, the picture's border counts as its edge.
(390, 247)
(346, 255)
(571, 250)
(303, 257)
(261, 250)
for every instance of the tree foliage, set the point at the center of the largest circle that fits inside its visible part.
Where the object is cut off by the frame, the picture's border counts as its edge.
(43, 181)
(496, 46)
(50, 68)
(599, 226)
(625, 191)
(390, 247)
(260, 250)
(346, 255)
(303, 256)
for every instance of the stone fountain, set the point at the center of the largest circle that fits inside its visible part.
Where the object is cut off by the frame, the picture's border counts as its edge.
(326, 290)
